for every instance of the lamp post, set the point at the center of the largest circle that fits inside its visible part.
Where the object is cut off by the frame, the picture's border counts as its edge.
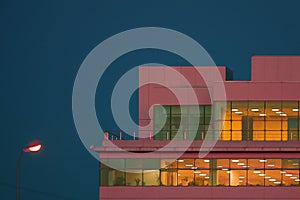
(32, 147)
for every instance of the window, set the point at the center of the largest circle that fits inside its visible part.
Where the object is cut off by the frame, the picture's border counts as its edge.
(202, 172)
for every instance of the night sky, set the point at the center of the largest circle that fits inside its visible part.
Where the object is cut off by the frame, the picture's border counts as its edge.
(43, 44)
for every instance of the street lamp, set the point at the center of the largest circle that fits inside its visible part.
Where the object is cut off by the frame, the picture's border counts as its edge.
(32, 147)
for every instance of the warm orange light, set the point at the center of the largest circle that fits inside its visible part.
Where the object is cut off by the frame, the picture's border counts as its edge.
(35, 148)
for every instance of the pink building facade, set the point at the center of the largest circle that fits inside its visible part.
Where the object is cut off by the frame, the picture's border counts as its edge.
(248, 139)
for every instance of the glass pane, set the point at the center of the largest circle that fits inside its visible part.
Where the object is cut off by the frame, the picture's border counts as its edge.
(238, 163)
(202, 163)
(239, 109)
(202, 177)
(257, 109)
(134, 178)
(258, 135)
(273, 163)
(169, 177)
(290, 163)
(223, 177)
(238, 177)
(255, 177)
(151, 178)
(168, 163)
(290, 177)
(273, 178)
(236, 135)
(186, 164)
(256, 163)
(273, 135)
(186, 178)
(225, 135)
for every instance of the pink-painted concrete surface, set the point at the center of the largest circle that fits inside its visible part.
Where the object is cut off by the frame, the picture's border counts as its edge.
(273, 78)
(216, 193)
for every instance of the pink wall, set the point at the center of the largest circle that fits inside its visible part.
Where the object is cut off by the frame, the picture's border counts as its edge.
(273, 78)
(216, 193)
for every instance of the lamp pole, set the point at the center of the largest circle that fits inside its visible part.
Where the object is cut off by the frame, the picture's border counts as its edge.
(32, 147)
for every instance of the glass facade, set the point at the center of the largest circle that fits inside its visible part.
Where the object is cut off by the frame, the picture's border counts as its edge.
(239, 120)
(203, 172)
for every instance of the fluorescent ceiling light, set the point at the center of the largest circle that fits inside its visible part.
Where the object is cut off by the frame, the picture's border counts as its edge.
(206, 177)
(282, 172)
(262, 114)
(241, 164)
(189, 165)
(261, 175)
(295, 109)
(239, 112)
(197, 172)
(262, 160)
(240, 181)
(180, 160)
(277, 182)
(235, 161)
(278, 112)
(202, 174)
(294, 177)
(256, 172)
(234, 109)
(206, 161)
(283, 115)
(242, 177)
(272, 180)
(271, 165)
(254, 109)
(288, 174)
(267, 176)
(275, 109)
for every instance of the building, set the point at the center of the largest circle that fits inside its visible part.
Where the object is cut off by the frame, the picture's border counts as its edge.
(257, 152)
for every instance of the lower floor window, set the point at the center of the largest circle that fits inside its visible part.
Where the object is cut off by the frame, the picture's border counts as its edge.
(202, 172)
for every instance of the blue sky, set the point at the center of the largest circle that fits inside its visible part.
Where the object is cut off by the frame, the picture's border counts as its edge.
(43, 44)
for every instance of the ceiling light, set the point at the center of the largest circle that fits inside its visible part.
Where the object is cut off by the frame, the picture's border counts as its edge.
(298, 180)
(256, 172)
(225, 169)
(240, 181)
(275, 109)
(277, 182)
(282, 172)
(241, 164)
(267, 176)
(271, 165)
(288, 174)
(278, 112)
(239, 112)
(242, 177)
(262, 160)
(202, 174)
(294, 177)
(194, 167)
(180, 160)
(206, 161)
(235, 161)
(295, 109)
(234, 109)
(189, 165)
(206, 177)
(219, 166)
(261, 175)
(197, 172)
(254, 109)
(272, 180)
(262, 114)
(283, 115)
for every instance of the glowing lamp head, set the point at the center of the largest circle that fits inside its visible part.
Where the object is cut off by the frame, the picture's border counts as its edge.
(35, 146)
